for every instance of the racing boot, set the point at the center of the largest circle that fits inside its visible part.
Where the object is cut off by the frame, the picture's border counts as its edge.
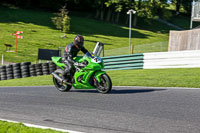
(65, 75)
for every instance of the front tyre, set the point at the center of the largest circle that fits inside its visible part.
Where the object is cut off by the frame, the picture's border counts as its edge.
(59, 85)
(105, 84)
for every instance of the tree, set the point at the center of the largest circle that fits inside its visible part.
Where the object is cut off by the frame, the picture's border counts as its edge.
(178, 5)
(148, 9)
(115, 7)
(187, 5)
(144, 9)
(62, 20)
(66, 24)
(100, 9)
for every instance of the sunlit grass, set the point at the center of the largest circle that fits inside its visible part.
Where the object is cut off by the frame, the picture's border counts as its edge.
(9, 127)
(183, 77)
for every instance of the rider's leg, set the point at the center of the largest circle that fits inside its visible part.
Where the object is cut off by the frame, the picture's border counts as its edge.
(68, 70)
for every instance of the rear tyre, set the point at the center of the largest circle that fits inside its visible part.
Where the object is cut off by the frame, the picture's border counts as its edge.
(59, 85)
(105, 85)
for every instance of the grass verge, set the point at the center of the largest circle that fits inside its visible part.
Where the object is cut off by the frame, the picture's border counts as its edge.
(9, 127)
(183, 77)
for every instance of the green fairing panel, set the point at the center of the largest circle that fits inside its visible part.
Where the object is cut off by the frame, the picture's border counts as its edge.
(98, 74)
(78, 59)
(93, 67)
(57, 61)
(84, 84)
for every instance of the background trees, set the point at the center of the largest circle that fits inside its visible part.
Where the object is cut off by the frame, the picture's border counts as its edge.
(109, 10)
(185, 4)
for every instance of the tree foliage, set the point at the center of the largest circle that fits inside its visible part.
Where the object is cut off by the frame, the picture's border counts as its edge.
(185, 4)
(62, 20)
(144, 9)
(106, 10)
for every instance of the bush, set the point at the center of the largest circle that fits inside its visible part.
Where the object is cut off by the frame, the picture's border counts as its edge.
(62, 20)
(66, 24)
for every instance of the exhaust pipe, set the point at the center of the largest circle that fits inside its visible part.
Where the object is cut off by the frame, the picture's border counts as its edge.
(60, 79)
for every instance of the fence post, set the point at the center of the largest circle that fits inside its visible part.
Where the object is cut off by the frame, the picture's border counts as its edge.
(103, 50)
(132, 49)
(192, 14)
(2, 60)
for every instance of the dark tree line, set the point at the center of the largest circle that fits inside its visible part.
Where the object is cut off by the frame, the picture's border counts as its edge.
(185, 4)
(108, 10)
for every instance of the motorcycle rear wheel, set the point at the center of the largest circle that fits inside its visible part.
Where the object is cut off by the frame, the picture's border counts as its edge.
(59, 85)
(105, 85)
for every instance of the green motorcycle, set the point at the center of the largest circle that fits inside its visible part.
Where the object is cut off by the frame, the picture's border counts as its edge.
(87, 76)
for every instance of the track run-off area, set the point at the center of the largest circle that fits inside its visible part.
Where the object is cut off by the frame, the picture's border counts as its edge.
(123, 110)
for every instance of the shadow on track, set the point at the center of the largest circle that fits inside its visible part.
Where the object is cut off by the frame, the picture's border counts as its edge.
(130, 91)
(122, 91)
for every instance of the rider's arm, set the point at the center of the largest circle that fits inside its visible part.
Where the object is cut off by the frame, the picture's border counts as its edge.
(84, 50)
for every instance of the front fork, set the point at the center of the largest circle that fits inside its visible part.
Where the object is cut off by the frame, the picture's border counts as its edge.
(98, 74)
(97, 78)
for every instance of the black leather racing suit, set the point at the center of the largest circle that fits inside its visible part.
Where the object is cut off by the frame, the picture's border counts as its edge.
(70, 52)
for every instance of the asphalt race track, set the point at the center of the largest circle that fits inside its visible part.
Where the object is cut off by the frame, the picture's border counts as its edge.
(124, 110)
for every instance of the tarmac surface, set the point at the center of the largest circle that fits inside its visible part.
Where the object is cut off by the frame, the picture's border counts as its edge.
(124, 110)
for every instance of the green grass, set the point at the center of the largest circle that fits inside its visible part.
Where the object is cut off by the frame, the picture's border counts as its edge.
(183, 19)
(31, 81)
(156, 77)
(39, 32)
(8, 127)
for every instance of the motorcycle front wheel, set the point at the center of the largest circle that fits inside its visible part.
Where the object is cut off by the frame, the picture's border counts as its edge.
(59, 85)
(105, 84)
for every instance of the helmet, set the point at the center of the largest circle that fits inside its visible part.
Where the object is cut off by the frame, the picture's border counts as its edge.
(79, 40)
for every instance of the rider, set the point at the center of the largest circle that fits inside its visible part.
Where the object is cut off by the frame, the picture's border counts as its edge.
(71, 51)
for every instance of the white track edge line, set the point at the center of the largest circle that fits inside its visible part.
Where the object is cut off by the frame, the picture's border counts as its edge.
(151, 87)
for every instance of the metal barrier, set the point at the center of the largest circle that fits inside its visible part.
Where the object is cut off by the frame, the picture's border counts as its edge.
(174, 59)
(123, 62)
(157, 60)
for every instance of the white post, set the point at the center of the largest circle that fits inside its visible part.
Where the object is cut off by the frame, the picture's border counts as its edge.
(130, 23)
(192, 15)
(96, 49)
(2, 60)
